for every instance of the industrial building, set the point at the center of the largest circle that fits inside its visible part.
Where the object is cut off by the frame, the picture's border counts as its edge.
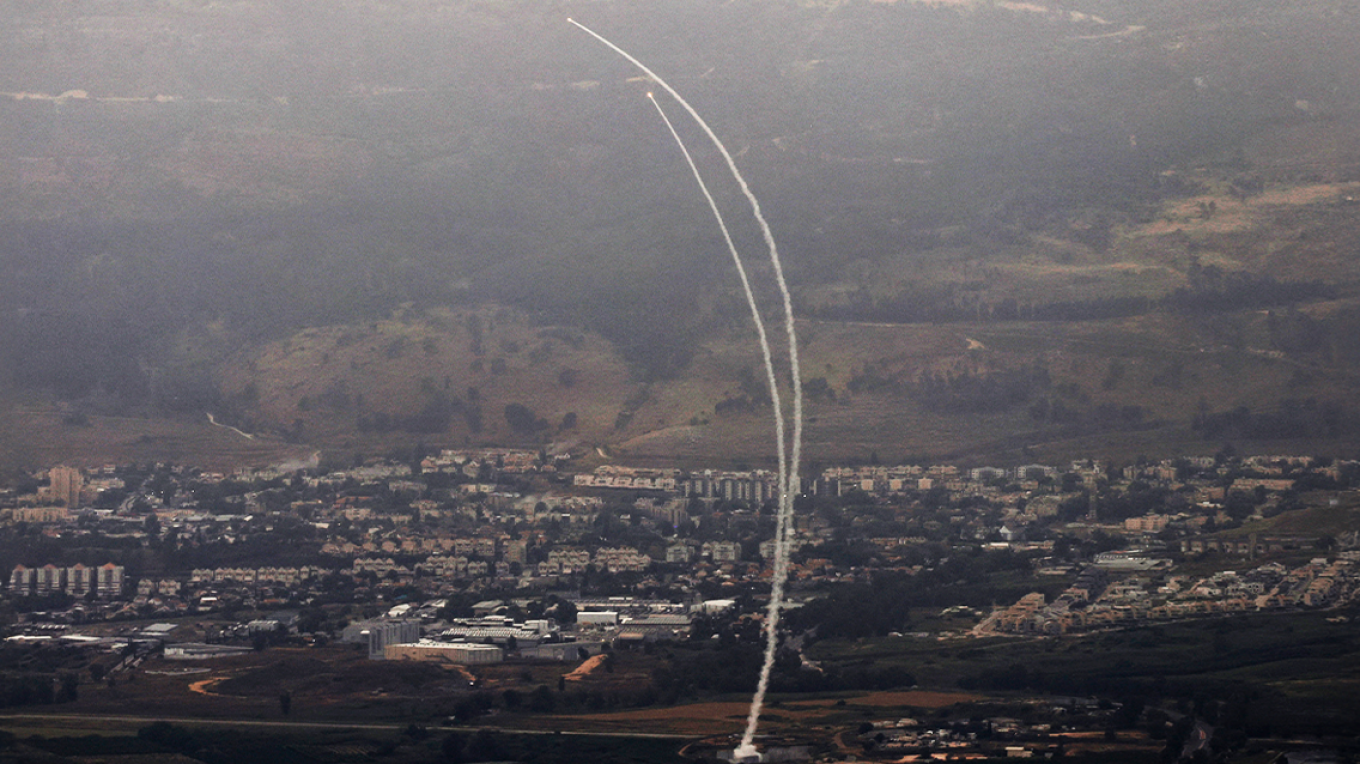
(460, 653)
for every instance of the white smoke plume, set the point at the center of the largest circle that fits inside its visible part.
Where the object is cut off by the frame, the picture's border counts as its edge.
(788, 481)
(770, 377)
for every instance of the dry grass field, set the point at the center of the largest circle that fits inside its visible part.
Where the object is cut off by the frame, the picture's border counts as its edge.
(340, 685)
(776, 717)
(38, 437)
(351, 389)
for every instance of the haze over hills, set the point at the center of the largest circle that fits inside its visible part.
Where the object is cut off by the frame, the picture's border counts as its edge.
(1014, 230)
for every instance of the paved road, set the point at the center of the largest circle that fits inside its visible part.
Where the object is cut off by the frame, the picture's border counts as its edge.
(187, 721)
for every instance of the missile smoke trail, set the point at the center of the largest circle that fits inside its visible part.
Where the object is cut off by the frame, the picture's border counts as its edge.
(745, 288)
(788, 477)
(781, 529)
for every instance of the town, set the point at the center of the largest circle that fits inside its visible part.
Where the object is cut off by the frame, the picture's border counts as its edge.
(458, 524)
(473, 558)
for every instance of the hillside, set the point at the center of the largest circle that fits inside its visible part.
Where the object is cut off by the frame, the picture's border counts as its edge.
(1013, 230)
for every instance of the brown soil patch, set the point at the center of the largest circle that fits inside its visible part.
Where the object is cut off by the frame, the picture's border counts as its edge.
(821, 703)
(718, 718)
(202, 685)
(693, 711)
(916, 698)
(1311, 194)
(1236, 215)
(693, 719)
(1230, 215)
(1096, 742)
(674, 721)
(584, 670)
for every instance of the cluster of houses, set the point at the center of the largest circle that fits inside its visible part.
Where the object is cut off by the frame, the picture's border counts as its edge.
(474, 463)
(507, 519)
(1094, 602)
(750, 485)
(1045, 728)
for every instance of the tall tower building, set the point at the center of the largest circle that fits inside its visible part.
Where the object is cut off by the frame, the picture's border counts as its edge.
(51, 579)
(66, 485)
(109, 580)
(79, 580)
(21, 581)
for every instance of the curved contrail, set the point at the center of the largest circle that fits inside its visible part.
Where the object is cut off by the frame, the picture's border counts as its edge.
(788, 477)
(771, 380)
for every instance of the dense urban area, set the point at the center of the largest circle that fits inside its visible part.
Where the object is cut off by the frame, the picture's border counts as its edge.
(472, 560)
(1055, 307)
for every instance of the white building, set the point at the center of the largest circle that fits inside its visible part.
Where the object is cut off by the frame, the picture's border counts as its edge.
(376, 634)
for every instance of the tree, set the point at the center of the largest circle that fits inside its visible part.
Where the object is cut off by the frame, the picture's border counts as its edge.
(485, 746)
(563, 611)
(541, 699)
(522, 419)
(452, 748)
(170, 736)
(416, 732)
(70, 688)
(285, 702)
(464, 710)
